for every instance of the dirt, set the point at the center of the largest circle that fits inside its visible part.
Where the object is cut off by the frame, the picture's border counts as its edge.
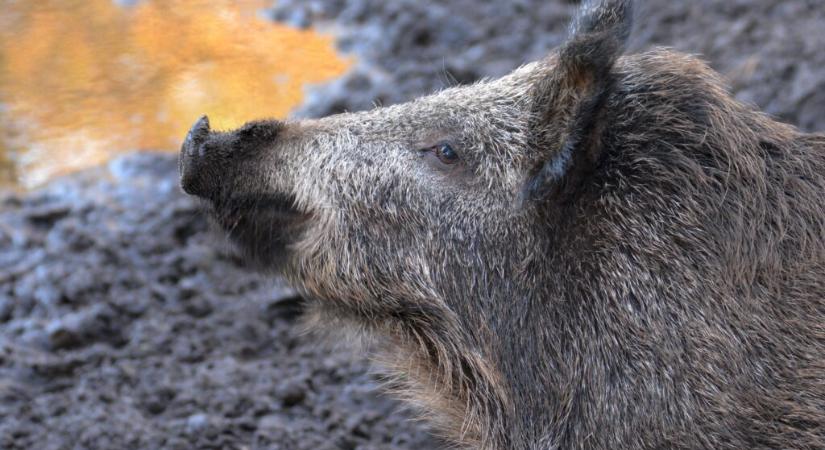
(126, 322)
(771, 52)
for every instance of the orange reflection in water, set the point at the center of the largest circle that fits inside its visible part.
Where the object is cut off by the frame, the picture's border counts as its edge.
(81, 80)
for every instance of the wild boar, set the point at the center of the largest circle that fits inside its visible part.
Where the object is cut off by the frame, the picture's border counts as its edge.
(598, 250)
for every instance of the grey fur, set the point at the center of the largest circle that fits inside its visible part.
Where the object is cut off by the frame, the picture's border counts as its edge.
(666, 290)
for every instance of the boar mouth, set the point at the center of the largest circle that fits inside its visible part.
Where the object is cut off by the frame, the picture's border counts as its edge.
(262, 227)
(273, 203)
(261, 223)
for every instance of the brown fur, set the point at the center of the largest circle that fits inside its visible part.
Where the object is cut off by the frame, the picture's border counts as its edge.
(624, 257)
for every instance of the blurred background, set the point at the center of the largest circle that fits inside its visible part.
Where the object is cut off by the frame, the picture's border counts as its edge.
(82, 80)
(124, 321)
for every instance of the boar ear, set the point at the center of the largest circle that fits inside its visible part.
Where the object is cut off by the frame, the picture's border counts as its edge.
(569, 100)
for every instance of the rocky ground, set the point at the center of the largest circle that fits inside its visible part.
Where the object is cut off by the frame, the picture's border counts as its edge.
(126, 323)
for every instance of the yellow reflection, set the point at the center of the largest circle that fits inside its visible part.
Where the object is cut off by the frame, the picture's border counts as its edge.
(83, 79)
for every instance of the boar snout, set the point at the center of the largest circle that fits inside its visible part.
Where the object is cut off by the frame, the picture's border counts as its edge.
(193, 158)
(207, 157)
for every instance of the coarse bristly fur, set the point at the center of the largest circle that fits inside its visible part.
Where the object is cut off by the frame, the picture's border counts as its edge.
(622, 255)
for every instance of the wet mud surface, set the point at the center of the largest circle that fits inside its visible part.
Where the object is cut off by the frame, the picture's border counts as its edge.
(126, 322)
(770, 52)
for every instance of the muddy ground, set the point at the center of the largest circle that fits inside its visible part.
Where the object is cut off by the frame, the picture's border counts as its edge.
(126, 323)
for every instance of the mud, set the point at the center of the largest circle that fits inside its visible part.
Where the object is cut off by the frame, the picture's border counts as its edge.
(771, 52)
(125, 322)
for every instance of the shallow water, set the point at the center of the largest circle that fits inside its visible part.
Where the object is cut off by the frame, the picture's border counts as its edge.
(82, 80)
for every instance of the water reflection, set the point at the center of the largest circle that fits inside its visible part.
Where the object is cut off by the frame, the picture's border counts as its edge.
(83, 79)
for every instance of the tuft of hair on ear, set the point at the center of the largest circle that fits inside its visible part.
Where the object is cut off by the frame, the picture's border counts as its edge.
(580, 84)
(598, 35)
(599, 16)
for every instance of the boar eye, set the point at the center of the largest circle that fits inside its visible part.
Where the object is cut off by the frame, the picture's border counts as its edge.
(445, 153)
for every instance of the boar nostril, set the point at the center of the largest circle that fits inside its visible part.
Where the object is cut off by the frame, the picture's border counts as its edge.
(197, 136)
(191, 156)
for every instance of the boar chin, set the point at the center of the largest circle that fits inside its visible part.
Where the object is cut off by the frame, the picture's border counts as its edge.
(262, 227)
